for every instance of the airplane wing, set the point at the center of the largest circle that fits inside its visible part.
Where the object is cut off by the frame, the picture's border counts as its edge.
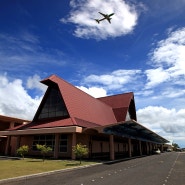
(102, 14)
(106, 16)
(111, 14)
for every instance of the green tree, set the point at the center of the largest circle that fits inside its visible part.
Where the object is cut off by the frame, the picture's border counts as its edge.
(22, 150)
(44, 150)
(80, 151)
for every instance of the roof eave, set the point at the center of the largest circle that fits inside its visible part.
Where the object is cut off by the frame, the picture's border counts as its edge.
(69, 129)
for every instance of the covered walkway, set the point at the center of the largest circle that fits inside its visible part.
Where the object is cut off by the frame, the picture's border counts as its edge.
(128, 139)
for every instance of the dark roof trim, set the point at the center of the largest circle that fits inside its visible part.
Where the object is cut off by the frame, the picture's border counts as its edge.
(132, 129)
(12, 119)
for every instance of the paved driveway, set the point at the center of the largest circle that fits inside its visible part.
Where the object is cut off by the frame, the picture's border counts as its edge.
(163, 169)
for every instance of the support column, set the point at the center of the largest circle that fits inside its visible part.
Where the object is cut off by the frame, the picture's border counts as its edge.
(129, 148)
(111, 141)
(56, 148)
(12, 124)
(147, 148)
(140, 150)
(17, 144)
(149, 145)
(73, 144)
(8, 145)
(151, 148)
(161, 148)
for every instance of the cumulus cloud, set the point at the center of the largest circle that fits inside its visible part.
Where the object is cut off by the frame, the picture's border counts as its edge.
(33, 82)
(94, 91)
(169, 123)
(171, 93)
(114, 80)
(15, 100)
(168, 60)
(84, 12)
(156, 77)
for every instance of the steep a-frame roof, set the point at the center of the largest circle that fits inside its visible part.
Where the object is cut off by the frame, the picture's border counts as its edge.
(107, 115)
(81, 106)
(82, 109)
(122, 104)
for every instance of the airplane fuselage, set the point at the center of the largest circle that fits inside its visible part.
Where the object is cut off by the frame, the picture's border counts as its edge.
(106, 16)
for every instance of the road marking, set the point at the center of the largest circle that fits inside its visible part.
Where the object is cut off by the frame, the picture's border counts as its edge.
(171, 169)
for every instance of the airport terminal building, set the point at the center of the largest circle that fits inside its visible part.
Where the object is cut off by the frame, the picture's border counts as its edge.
(67, 116)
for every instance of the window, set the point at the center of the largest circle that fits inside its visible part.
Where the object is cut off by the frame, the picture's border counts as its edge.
(48, 140)
(63, 143)
(54, 105)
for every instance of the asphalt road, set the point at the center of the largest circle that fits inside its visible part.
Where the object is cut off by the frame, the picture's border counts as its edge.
(163, 169)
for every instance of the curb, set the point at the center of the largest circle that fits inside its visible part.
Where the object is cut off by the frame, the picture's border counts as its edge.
(25, 177)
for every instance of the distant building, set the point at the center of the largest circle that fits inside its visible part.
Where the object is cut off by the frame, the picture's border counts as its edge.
(67, 116)
(8, 123)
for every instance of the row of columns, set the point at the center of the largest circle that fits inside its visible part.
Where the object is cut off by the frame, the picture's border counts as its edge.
(111, 140)
(74, 142)
(149, 147)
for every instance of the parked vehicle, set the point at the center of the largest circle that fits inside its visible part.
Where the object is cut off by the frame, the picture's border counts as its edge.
(156, 151)
(179, 150)
(169, 150)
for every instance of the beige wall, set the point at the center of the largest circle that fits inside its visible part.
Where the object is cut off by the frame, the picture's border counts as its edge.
(99, 144)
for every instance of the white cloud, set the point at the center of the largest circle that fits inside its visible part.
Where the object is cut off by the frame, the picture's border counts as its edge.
(115, 80)
(94, 91)
(83, 14)
(173, 93)
(34, 82)
(168, 123)
(168, 59)
(156, 77)
(15, 100)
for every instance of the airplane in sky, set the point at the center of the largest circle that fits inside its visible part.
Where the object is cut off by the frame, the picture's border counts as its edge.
(106, 16)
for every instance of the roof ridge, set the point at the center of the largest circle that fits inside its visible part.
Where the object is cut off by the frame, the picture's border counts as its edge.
(116, 95)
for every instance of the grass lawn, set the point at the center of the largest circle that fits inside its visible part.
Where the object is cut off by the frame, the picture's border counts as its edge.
(14, 168)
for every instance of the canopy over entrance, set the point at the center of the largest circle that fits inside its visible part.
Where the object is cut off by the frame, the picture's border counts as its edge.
(132, 129)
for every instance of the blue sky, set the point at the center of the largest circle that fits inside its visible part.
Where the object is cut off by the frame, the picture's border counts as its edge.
(142, 50)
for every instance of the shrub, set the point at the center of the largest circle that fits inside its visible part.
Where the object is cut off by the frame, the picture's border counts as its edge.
(44, 150)
(22, 150)
(80, 151)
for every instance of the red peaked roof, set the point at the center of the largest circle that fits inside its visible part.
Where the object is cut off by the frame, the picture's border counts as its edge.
(84, 110)
(81, 105)
(121, 104)
(119, 100)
